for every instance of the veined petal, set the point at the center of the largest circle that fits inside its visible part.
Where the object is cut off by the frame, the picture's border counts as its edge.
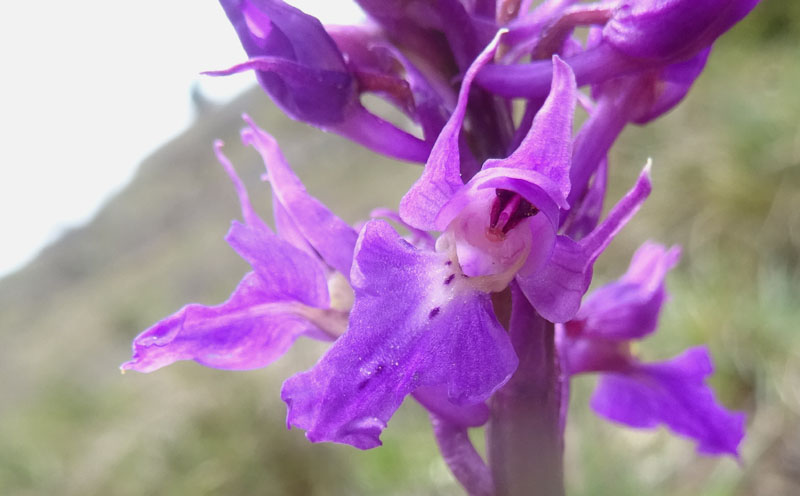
(673, 393)
(329, 235)
(250, 330)
(629, 308)
(547, 148)
(442, 177)
(555, 291)
(416, 322)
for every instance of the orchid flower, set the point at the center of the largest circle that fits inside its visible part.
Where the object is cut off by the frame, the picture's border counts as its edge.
(636, 393)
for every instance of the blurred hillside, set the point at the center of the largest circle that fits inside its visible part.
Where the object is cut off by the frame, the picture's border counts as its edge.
(726, 187)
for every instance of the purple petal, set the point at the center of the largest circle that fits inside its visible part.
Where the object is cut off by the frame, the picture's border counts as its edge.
(673, 393)
(462, 458)
(585, 216)
(383, 69)
(629, 308)
(301, 68)
(547, 148)
(329, 235)
(671, 29)
(250, 330)
(286, 272)
(442, 176)
(671, 85)
(556, 290)
(412, 325)
(434, 399)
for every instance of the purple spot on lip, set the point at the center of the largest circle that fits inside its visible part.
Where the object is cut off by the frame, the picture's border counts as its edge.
(434, 312)
(449, 279)
(449, 263)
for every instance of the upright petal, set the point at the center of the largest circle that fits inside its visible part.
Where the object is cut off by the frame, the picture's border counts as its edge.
(442, 177)
(416, 322)
(329, 235)
(547, 148)
(673, 393)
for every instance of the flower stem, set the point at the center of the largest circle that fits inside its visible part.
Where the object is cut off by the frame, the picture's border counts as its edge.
(524, 439)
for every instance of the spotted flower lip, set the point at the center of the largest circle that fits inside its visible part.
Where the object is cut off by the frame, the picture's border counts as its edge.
(641, 394)
(284, 297)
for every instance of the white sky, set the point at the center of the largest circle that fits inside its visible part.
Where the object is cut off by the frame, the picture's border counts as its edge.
(89, 88)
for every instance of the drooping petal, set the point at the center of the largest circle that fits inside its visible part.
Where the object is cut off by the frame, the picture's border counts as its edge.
(295, 60)
(250, 330)
(673, 393)
(629, 308)
(442, 177)
(555, 291)
(416, 322)
(547, 148)
(329, 235)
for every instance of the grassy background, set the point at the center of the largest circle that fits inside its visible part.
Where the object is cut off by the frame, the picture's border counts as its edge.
(727, 188)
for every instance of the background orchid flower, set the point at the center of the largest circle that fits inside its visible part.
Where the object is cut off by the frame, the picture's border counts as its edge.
(285, 296)
(636, 393)
(300, 66)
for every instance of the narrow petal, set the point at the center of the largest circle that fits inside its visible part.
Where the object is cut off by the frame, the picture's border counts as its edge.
(415, 322)
(462, 458)
(329, 235)
(547, 148)
(442, 176)
(248, 331)
(673, 393)
(629, 308)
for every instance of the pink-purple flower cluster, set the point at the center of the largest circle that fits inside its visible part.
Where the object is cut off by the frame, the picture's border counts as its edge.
(478, 304)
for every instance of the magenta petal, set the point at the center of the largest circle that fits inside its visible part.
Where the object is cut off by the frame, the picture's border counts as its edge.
(250, 330)
(547, 148)
(629, 308)
(412, 326)
(442, 176)
(329, 235)
(673, 393)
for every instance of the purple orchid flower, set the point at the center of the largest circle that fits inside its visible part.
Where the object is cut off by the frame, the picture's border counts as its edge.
(303, 70)
(639, 394)
(424, 318)
(637, 35)
(298, 286)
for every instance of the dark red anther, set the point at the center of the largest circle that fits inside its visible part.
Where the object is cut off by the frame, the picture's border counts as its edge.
(508, 210)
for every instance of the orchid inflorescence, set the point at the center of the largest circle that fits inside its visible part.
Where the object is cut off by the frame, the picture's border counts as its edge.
(478, 307)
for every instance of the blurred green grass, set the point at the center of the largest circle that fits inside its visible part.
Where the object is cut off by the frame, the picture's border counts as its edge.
(726, 188)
